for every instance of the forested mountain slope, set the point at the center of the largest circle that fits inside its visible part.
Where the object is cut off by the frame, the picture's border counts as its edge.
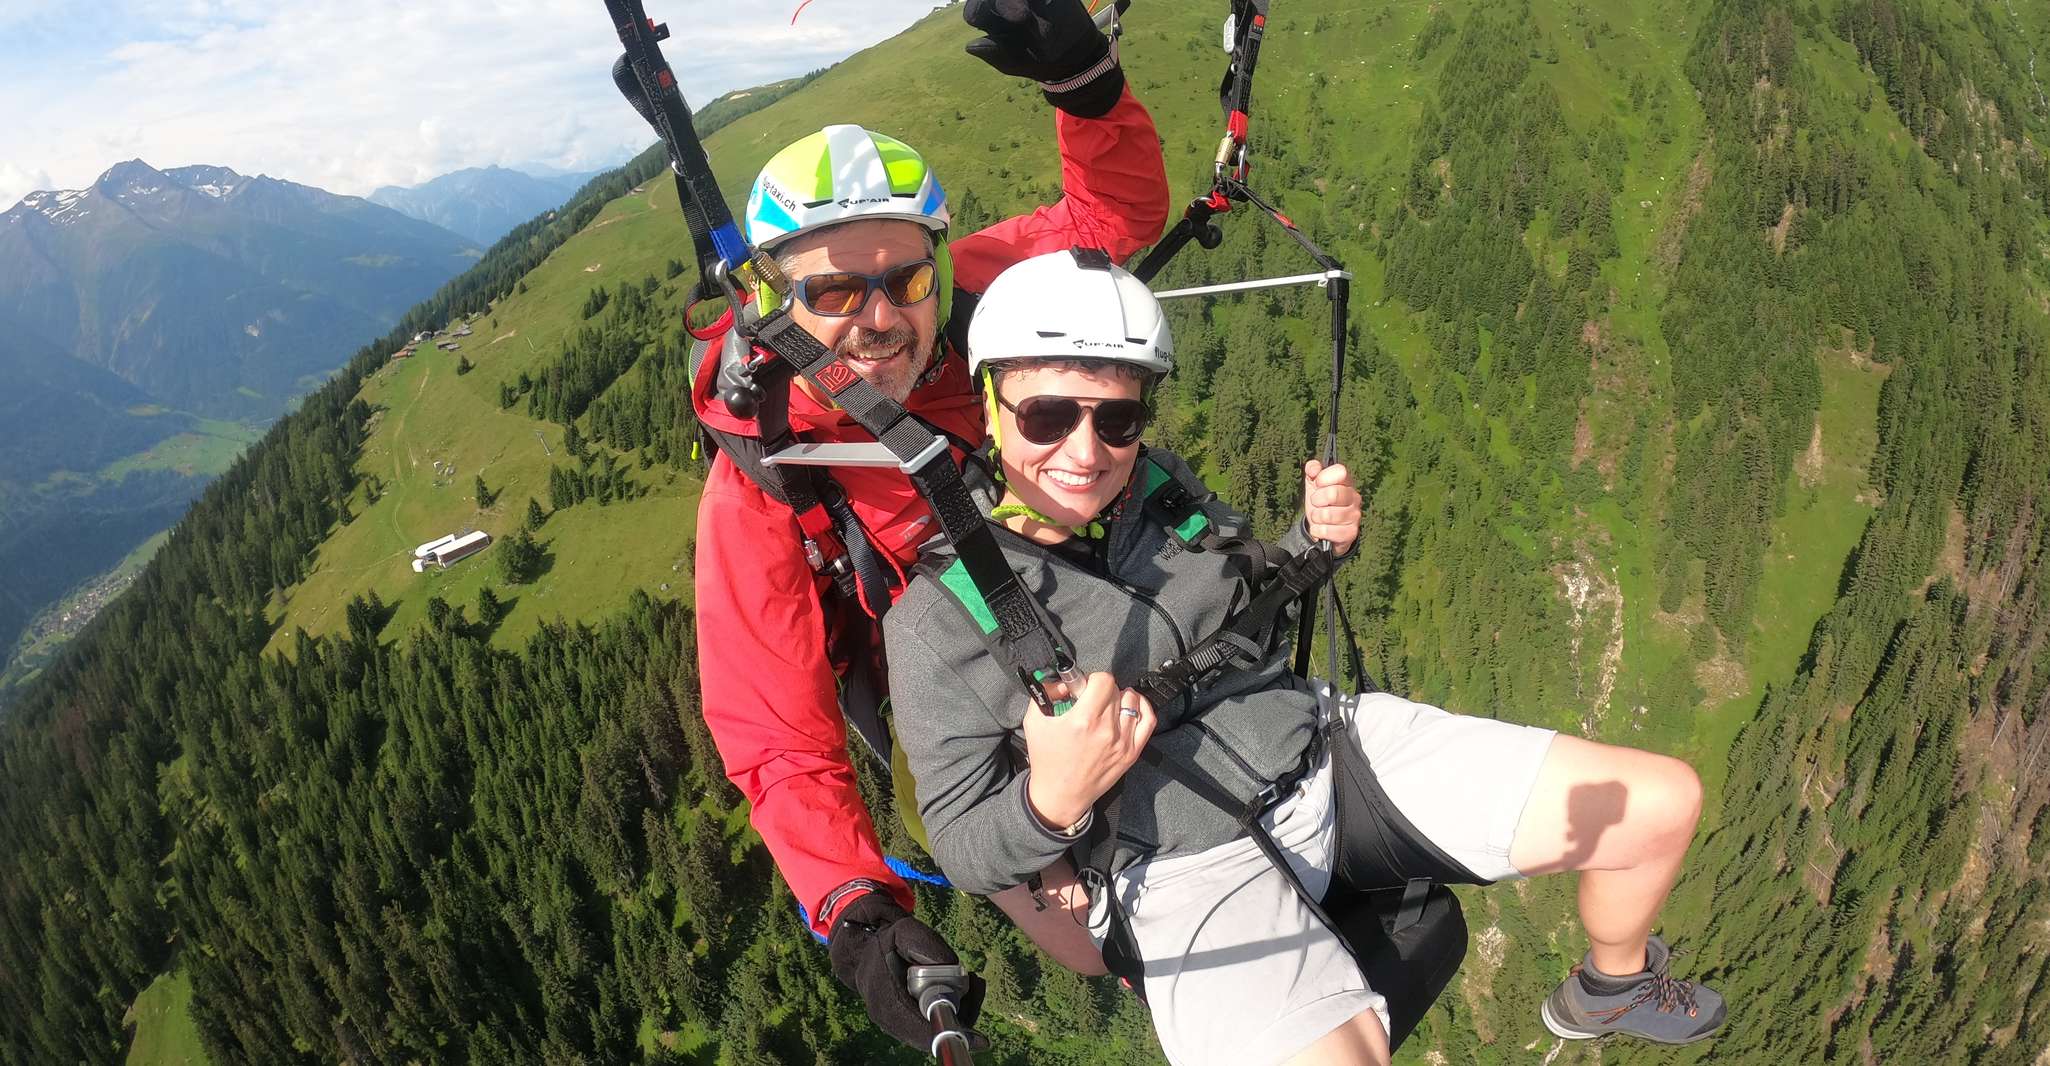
(1699, 393)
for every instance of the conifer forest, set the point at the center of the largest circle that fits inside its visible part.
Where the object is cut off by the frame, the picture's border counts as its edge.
(1698, 386)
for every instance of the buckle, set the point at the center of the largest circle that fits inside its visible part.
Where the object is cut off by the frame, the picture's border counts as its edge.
(1091, 258)
(917, 463)
(1097, 887)
(815, 555)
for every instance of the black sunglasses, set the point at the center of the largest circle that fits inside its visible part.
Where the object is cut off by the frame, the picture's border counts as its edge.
(843, 293)
(1047, 420)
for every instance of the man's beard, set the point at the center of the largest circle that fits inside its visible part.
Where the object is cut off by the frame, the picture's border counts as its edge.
(897, 374)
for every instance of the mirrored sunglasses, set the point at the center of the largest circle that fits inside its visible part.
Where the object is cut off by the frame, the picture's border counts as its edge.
(839, 294)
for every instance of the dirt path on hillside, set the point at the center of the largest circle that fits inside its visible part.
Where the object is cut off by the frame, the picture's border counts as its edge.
(398, 429)
(642, 194)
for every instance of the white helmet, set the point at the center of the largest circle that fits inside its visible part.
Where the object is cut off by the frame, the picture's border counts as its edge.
(1069, 305)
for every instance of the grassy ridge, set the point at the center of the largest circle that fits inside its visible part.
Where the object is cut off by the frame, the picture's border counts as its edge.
(428, 415)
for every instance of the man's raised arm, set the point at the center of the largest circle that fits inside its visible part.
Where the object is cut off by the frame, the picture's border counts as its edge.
(1114, 192)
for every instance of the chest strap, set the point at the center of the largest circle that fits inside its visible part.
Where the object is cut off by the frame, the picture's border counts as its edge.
(1022, 635)
(1245, 636)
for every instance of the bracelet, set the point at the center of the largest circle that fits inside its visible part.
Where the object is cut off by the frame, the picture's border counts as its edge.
(1074, 830)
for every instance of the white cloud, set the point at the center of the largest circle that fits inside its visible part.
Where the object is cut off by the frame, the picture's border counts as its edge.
(352, 94)
(14, 178)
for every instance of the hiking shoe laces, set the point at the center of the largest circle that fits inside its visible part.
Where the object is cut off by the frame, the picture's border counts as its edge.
(1651, 1005)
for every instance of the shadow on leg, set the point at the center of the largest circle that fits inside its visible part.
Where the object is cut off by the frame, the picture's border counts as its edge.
(1056, 918)
(1622, 817)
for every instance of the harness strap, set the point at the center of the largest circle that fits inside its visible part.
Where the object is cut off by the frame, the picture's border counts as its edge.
(873, 580)
(1235, 93)
(1023, 638)
(835, 543)
(1244, 635)
(1120, 948)
(815, 522)
(1415, 893)
(645, 79)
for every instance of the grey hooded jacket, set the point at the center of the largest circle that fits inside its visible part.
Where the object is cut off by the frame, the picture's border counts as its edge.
(956, 709)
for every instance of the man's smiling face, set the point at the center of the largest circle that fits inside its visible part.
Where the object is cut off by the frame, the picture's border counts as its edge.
(889, 346)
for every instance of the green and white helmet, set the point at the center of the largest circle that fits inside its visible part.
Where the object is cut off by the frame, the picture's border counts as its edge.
(841, 174)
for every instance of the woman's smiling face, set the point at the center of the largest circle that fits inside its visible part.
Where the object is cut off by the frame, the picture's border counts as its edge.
(1073, 479)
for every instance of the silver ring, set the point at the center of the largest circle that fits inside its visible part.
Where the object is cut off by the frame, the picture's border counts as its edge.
(1129, 712)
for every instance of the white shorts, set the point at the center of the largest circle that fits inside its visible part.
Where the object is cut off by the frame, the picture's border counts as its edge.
(1238, 971)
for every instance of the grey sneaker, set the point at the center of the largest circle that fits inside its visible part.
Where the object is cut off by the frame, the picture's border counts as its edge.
(1653, 1005)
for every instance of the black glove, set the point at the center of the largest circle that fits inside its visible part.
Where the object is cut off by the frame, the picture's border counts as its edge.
(1054, 43)
(873, 943)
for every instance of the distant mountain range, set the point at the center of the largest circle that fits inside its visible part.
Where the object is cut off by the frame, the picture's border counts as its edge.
(149, 324)
(482, 203)
(213, 292)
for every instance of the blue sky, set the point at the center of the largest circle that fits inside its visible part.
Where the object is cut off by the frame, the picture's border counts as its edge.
(352, 94)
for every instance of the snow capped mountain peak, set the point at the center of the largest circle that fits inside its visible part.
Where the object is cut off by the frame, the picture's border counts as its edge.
(61, 206)
(132, 175)
(217, 182)
(134, 183)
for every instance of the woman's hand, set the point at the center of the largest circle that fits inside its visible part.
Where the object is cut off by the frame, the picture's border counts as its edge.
(1331, 506)
(1078, 755)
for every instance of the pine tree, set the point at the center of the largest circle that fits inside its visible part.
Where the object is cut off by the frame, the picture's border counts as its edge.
(535, 516)
(519, 558)
(489, 609)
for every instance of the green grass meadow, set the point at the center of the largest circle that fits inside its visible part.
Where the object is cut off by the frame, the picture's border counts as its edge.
(164, 1033)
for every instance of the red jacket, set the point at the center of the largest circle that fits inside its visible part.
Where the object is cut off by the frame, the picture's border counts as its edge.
(770, 691)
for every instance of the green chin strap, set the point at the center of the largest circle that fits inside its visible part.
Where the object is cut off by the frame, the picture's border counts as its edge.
(768, 300)
(1090, 531)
